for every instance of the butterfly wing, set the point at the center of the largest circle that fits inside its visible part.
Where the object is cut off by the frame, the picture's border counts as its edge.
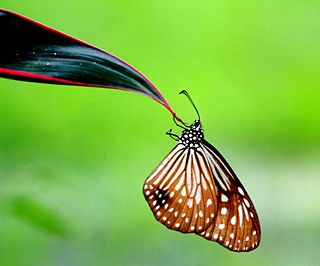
(181, 193)
(196, 191)
(236, 225)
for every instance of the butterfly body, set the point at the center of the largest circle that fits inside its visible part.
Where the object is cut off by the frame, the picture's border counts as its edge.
(191, 138)
(194, 190)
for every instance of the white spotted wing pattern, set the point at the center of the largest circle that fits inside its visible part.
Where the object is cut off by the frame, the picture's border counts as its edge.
(194, 190)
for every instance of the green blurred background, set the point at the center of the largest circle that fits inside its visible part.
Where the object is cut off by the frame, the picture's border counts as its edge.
(73, 159)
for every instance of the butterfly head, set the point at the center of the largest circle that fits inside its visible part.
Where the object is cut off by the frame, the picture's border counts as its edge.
(196, 125)
(193, 135)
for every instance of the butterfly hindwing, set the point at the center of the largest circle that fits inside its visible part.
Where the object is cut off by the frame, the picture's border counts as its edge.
(236, 225)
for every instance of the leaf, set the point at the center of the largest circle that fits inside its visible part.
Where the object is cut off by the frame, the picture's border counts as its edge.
(30, 51)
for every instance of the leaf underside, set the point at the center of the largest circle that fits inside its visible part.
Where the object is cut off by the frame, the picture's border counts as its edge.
(30, 51)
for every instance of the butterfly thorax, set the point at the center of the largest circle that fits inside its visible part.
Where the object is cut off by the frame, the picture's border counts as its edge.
(191, 137)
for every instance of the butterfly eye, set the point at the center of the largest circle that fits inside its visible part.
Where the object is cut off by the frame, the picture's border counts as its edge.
(196, 125)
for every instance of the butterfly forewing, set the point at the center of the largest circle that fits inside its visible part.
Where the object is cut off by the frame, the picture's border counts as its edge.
(179, 192)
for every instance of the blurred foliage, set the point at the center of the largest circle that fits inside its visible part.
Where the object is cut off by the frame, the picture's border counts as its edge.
(73, 160)
(38, 216)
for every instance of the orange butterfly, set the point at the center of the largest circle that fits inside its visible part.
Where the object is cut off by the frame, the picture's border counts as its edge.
(194, 190)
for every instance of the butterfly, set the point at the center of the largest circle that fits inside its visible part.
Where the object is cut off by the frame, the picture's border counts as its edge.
(194, 190)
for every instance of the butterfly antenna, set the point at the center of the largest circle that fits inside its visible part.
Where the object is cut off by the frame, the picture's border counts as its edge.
(194, 106)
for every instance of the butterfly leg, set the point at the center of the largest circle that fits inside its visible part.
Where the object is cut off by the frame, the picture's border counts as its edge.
(173, 136)
(175, 120)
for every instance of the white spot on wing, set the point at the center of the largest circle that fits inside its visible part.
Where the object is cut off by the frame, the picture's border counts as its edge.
(233, 220)
(204, 183)
(240, 214)
(209, 202)
(224, 211)
(240, 191)
(224, 198)
(184, 192)
(246, 202)
(245, 211)
(178, 186)
(198, 195)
